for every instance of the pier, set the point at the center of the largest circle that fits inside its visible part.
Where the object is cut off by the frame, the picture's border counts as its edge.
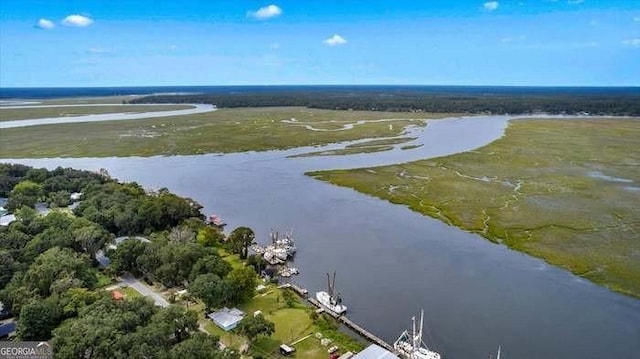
(302, 292)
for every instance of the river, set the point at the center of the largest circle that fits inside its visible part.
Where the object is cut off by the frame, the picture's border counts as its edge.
(392, 262)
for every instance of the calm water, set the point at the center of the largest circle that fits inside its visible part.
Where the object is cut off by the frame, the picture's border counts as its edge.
(392, 262)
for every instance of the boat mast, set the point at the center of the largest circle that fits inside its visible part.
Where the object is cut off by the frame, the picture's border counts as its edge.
(499, 347)
(333, 284)
(421, 324)
(413, 338)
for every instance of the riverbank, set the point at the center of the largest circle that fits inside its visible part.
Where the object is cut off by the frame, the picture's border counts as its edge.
(13, 113)
(476, 294)
(562, 190)
(222, 131)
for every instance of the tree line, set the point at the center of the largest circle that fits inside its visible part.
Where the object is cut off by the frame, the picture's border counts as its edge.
(51, 281)
(623, 102)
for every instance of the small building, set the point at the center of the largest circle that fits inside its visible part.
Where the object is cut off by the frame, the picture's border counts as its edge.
(375, 352)
(226, 318)
(117, 295)
(75, 196)
(286, 350)
(7, 219)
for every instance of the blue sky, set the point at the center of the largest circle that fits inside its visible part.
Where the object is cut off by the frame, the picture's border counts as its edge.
(207, 42)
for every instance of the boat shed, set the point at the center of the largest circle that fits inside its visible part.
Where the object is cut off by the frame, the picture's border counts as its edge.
(375, 352)
(226, 318)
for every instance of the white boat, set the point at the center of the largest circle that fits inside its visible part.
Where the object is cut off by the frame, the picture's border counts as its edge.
(331, 300)
(411, 345)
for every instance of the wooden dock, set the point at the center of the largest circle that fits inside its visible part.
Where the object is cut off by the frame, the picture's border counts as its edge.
(365, 334)
(341, 318)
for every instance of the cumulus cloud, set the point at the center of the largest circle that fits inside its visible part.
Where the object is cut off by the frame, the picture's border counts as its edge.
(77, 21)
(266, 12)
(45, 24)
(335, 40)
(491, 5)
(632, 42)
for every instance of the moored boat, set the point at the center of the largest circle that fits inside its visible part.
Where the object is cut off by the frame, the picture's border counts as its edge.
(411, 345)
(331, 300)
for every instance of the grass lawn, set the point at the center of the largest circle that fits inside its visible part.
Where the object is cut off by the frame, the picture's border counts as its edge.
(104, 280)
(222, 131)
(567, 191)
(291, 324)
(32, 113)
(130, 292)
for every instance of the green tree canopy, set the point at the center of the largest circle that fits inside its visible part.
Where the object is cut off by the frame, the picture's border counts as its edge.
(25, 193)
(38, 318)
(212, 263)
(240, 240)
(253, 326)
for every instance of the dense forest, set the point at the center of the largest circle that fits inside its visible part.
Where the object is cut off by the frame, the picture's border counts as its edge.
(51, 280)
(622, 102)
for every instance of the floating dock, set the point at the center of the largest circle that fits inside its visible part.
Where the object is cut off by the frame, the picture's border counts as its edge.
(341, 318)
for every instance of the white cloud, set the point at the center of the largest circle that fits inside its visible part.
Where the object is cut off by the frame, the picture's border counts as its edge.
(266, 12)
(632, 42)
(77, 21)
(636, 19)
(491, 5)
(274, 46)
(45, 24)
(335, 40)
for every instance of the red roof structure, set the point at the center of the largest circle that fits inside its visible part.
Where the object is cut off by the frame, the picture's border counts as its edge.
(117, 295)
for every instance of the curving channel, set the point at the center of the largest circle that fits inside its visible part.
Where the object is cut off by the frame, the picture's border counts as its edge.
(392, 262)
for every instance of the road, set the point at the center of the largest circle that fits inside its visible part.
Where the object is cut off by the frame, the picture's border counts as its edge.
(144, 289)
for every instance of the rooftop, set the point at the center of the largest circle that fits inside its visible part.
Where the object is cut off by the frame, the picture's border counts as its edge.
(375, 352)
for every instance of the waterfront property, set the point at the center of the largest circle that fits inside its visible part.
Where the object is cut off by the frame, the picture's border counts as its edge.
(226, 318)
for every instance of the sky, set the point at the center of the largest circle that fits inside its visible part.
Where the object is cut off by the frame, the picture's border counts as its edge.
(78, 43)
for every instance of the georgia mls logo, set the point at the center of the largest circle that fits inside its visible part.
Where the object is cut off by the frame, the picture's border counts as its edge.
(25, 350)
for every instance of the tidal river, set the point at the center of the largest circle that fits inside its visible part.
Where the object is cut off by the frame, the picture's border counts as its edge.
(392, 262)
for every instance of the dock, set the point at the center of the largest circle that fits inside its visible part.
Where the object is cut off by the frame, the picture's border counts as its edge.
(302, 292)
(365, 334)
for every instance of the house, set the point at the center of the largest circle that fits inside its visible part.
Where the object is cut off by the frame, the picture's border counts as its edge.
(7, 219)
(375, 352)
(226, 318)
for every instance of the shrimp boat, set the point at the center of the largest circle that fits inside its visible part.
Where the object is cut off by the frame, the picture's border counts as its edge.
(411, 345)
(331, 300)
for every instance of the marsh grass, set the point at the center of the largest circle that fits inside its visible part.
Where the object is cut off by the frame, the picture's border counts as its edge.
(47, 112)
(534, 190)
(222, 131)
